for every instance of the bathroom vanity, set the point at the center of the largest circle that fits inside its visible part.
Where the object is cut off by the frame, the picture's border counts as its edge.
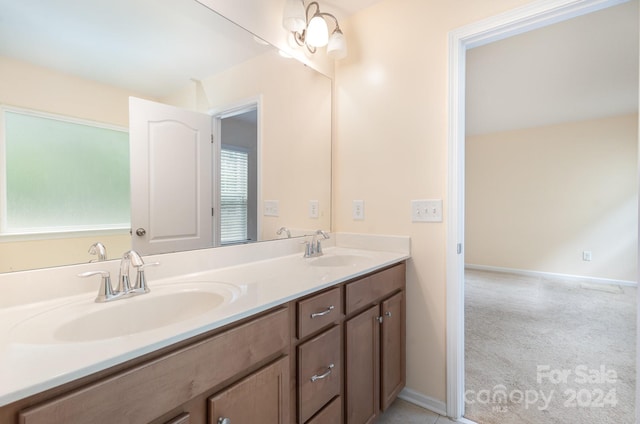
(329, 349)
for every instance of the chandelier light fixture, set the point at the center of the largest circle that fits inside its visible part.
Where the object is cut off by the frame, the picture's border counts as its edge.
(309, 27)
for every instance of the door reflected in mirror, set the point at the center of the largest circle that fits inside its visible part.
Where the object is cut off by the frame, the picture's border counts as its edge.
(181, 54)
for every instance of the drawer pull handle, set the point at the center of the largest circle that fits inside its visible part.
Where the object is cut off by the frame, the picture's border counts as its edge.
(325, 375)
(323, 313)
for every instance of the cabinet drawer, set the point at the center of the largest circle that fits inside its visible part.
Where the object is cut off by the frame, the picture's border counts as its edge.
(182, 419)
(143, 393)
(374, 287)
(318, 312)
(330, 414)
(319, 372)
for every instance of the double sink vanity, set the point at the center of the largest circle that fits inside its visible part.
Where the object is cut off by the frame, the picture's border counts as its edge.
(246, 334)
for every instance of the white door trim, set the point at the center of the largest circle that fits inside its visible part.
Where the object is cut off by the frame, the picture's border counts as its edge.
(226, 111)
(534, 15)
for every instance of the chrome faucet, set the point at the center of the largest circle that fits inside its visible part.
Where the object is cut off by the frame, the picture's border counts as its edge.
(314, 248)
(98, 248)
(284, 230)
(130, 257)
(107, 293)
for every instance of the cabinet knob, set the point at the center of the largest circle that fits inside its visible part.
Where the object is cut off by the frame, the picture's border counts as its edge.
(379, 319)
(222, 420)
(387, 314)
(140, 232)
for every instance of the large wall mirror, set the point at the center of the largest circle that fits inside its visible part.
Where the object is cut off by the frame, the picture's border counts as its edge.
(71, 67)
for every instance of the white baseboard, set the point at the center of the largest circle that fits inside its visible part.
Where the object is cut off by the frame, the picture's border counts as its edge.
(426, 402)
(463, 420)
(423, 401)
(541, 274)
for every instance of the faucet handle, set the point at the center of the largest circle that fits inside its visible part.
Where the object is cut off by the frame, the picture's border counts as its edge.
(141, 281)
(106, 292)
(308, 248)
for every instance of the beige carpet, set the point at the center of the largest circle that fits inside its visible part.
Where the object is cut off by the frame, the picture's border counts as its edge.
(543, 351)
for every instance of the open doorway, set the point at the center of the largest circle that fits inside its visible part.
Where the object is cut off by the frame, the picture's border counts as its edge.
(237, 195)
(491, 30)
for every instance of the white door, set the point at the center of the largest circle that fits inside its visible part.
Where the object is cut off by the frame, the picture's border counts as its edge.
(171, 177)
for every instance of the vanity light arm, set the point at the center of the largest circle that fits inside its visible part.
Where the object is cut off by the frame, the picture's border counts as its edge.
(300, 37)
(317, 5)
(335, 20)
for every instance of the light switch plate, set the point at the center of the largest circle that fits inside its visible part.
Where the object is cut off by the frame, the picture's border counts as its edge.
(426, 210)
(314, 207)
(358, 210)
(271, 208)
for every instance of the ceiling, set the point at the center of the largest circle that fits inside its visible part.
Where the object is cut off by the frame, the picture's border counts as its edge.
(153, 47)
(583, 68)
(342, 9)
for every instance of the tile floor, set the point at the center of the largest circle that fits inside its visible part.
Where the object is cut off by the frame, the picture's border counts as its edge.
(403, 412)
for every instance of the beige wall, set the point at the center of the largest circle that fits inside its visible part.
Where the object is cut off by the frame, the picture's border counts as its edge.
(391, 147)
(31, 87)
(537, 198)
(295, 134)
(30, 254)
(28, 86)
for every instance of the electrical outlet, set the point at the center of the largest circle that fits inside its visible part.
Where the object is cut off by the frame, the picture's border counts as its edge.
(271, 208)
(358, 210)
(586, 255)
(314, 207)
(426, 210)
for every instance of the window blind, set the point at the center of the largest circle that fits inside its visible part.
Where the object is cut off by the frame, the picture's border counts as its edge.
(234, 185)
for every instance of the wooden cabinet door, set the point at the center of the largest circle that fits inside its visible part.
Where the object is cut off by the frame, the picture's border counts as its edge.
(263, 398)
(392, 349)
(362, 358)
(330, 414)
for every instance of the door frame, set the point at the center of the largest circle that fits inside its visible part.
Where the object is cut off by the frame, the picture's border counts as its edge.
(217, 115)
(526, 18)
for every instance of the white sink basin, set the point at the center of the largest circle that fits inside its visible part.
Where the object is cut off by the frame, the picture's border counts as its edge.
(338, 260)
(86, 321)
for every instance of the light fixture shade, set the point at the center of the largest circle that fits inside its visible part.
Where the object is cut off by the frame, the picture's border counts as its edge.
(293, 18)
(317, 32)
(337, 47)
